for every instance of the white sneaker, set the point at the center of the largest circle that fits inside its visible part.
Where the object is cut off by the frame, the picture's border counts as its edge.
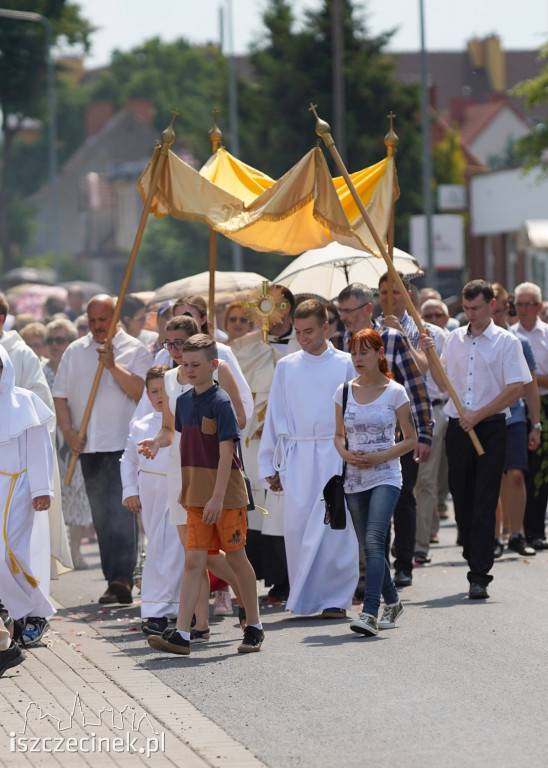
(223, 603)
(390, 614)
(365, 625)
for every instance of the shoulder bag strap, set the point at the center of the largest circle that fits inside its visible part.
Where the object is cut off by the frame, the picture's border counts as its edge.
(344, 401)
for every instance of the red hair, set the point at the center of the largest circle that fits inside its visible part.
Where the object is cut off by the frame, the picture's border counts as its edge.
(368, 338)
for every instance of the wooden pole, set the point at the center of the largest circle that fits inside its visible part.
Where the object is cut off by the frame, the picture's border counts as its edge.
(159, 158)
(215, 138)
(323, 130)
(391, 141)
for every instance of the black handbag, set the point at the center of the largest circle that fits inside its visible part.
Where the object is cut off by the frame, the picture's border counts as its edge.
(333, 492)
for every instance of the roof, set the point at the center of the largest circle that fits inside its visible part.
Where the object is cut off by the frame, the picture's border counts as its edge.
(478, 116)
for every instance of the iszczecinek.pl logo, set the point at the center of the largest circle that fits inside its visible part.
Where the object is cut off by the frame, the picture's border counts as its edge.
(109, 731)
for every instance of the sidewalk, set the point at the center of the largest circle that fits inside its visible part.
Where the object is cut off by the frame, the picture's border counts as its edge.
(76, 676)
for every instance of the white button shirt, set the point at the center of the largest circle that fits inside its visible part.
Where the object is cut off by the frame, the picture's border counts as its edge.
(480, 367)
(538, 339)
(112, 410)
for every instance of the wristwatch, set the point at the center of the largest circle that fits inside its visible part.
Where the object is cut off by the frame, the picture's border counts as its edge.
(537, 426)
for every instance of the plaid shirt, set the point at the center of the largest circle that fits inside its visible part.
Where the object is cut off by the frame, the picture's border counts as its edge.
(405, 372)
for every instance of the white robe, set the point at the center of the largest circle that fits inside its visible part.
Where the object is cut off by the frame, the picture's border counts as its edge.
(297, 441)
(26, 471)
(29, 375)
(164, 562)
(258, 361)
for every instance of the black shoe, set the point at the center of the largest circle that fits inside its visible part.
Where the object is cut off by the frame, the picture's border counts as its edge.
(539, 543)
(154, 626)
(402, 579)
(519, 545)
(421, 558)
(253, 639)
(171, 642)
(199, 635)
(34, 629)
(333, 613)
(499, 549)
(477, 591)
(10, 657)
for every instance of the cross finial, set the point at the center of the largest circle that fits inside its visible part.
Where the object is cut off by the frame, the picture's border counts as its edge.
(391, 139)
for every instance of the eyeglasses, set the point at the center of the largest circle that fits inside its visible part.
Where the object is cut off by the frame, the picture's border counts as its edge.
(56, 340)
(349, 311)
(430, 315)
(177, 344)
(332, 320)
(526, 304)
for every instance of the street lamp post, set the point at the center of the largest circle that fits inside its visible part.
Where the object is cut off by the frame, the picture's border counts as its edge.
(426, 158)
(53, 239)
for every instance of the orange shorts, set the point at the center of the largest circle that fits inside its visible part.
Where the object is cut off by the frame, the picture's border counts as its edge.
(228, 533)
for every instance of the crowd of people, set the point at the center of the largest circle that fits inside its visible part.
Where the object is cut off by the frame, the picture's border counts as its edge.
(232, 440)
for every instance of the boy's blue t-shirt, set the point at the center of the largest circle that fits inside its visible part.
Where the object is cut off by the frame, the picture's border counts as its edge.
(204, 421)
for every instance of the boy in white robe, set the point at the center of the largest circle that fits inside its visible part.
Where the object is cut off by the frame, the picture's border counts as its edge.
(145, 492)
(26, 490)
(297, 452)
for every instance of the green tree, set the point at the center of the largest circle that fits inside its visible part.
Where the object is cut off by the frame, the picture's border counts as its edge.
(293, 68)
(23, 89)
(176, 75)
(532, 150)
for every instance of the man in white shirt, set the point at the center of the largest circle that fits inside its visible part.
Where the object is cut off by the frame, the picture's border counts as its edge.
(528, 303)
(487, 368)
(126, 362)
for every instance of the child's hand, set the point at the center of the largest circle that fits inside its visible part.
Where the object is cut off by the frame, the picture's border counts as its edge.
(148, 448)
(41, 502)
(133, 503)
(212, 512)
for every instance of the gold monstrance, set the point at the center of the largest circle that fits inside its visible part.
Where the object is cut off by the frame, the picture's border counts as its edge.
(266, 305)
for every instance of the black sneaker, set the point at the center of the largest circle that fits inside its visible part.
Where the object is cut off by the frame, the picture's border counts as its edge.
(402, 579)
(154, 626)
(519, 545)
(10, 657)
(199, 635)
(499, 549)
(34, 629)
(253, 639)
(171, 642)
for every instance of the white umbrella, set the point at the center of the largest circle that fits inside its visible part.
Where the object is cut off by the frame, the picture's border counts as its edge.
(326, 271)
(225, 282)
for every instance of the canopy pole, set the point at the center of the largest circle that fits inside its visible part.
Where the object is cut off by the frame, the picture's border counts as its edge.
(159, 158)
(391, 141)
(215, 138)
(324, 131)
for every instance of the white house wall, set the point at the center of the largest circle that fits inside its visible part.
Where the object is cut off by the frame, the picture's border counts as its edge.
(502, 200)
(493, 140)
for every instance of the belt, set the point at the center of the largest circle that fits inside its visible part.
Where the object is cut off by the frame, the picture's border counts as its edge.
(15, 565)
(439, 401)
(279, 460)
(494, 417)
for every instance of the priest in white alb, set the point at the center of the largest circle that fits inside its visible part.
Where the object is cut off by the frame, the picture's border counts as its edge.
(26, 489)
(297, 452)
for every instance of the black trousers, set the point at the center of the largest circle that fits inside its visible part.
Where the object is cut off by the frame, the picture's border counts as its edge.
(474, 482)
(405, 516)
(536, 483)
(116, 526)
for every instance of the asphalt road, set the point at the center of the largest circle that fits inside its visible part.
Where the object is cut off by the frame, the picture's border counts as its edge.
(457, 684)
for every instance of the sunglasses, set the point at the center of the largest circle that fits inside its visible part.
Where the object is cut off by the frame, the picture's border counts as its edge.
(177, 344)
(238, 320)
(56, 340)
(430, 315)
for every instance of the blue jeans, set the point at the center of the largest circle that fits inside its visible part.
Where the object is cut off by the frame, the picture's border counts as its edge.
(371, 513)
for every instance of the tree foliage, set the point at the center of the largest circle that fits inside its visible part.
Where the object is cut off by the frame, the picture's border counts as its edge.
(532, 149)
(23, 91)
(294, 68)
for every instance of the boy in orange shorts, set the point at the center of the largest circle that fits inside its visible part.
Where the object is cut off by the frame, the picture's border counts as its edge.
(213, 493)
